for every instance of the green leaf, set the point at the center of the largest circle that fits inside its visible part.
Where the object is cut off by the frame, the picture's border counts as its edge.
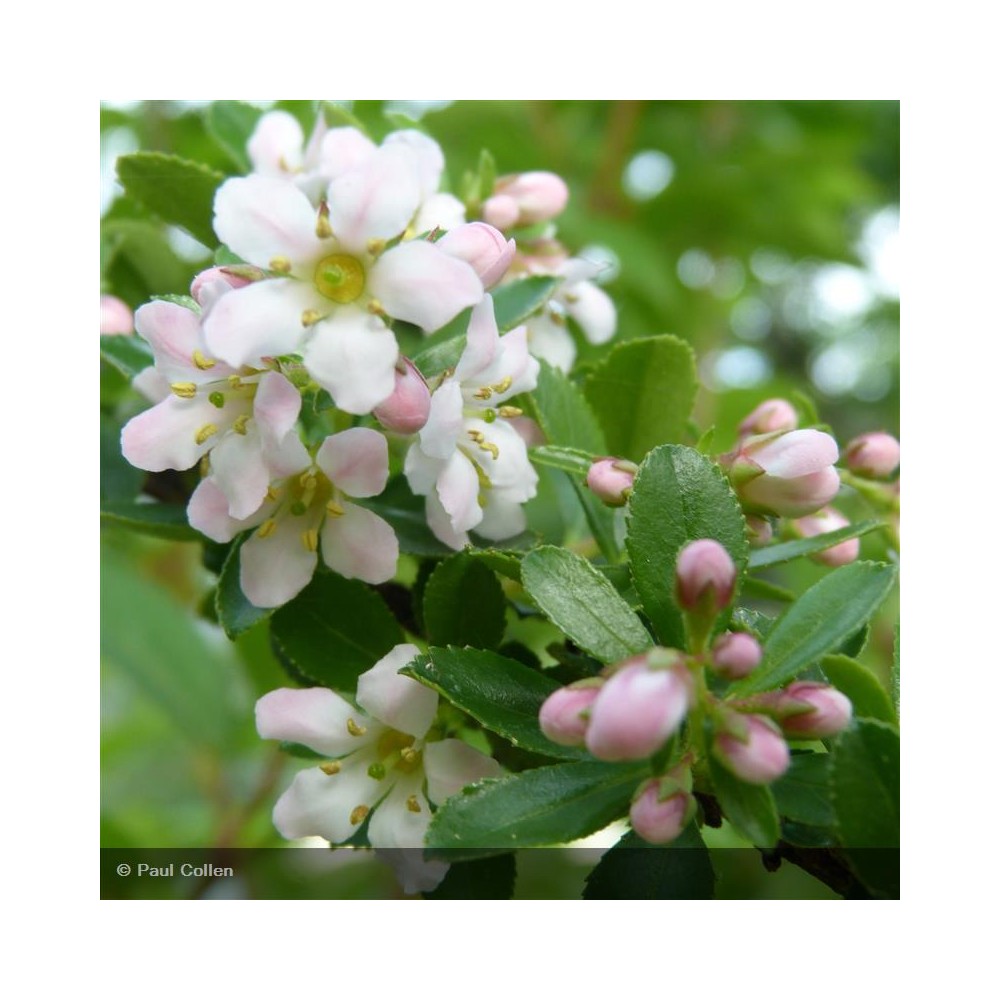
(514, 303)
(822, 618)
(120, 481)
(501, 694)
(895, 667)
(404, 512)
(600, 519)
(571, 460)
(464, 604)
(178, 191)
(869, 698)
(679, 496)
(435, 358)
(507, 564)
(750, 808)
(150, 637)
(755, 587)
(143, 262)
(633, 869)
(161, 520)
(235, 612)
(564, 414)
(486, 878)
(335, 630)
(179, 300)
(642, 393)
(337, 114)
(230, 124)
(578, 599)
(129, 354)
(786, 551)
(865, 781)
(802, 793)
(546, 805)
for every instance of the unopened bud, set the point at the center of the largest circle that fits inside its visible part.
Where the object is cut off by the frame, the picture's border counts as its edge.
(538, 194)
(500, 211)
(210, 284)
(705, 575)
(735, 655)
(820, 523)
(810, 711)
(759, 530)
(661, 810)
(482, 247)
(875, 455)
(771, 415)
(611, 480)
(758, 756)
(564, 715)
(639, 708)
(409, 406)
(116, 317)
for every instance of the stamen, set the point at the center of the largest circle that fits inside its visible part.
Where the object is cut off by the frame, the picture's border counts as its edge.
(511, 411)
(235, 382)
(217, 399)
(412, 804)
(202, 362)
(490, 447)
(205, 433)
(334, 509)
(311, 317)
(476, 436)
(323, 228)
(240, 423)
(354, 729)
(267, 528)
(281, 264)
(310, 540)
(307, 481)
(483, 393)
(204, 467)
(375, 247)
(358, 813)
(272, 493)
(297, 509)
(331, 767)
(489, 415)
(339, 277)
(185, 390)
(504, 384)
(375, 308)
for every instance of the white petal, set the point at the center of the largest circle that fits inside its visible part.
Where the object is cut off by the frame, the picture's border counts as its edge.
(502, 518)
(551, 342)
(394, 825)
(413, 872)
(276, 407)
(439, 211)
(451, 765)
(439, 436)
(593, 309)
(275, 147)
(151, 384)
(174, 334)
(314, 717)
(439, 521)
(458, 491)
(165, 437)
(343, 150)
(359, 545)
(259, 321)
(418, 282)
(400, 702)
(353, 355)
(273, 569)
(425, 154)
(511, 471)
(356, 461)
(482, 342)
(208, 512)
(511, 361)
(239, 469)
(421, 470)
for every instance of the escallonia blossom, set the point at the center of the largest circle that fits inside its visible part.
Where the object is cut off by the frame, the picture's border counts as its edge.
(822, 522)
(332, 277)
(525, 199)
(662, 807)
(735, 655)
(307, 511)
(611, 480)
(752, 748)
(468, 461)
(873, 456)
(807, 710)
(409, 406)
(386, 763)
(565, 714)
(705, 576)
(770, 416)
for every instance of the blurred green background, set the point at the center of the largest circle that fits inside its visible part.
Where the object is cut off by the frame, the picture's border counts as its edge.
(765, 233)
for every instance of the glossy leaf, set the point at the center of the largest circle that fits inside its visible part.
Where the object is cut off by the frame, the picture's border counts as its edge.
(750, 808)
(161, 520)
(869, 698)
(464, 604)
(802, 793)
(128, 353)
(231, 123)
(783, 552)
(484, 878)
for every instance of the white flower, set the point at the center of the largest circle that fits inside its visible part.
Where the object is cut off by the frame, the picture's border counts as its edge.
(381, 763)
(469, 461)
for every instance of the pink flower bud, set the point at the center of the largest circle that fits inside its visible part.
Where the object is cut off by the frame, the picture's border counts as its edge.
(828, 710)
(735, 655)
(771, 415)
(209, 284)
(639, 708)
(705, 571)
(760, 530)
(874, 455)
(409, 406)
(656, 821)
(538, 196)
(564, 715)
(501, 211)
(760, 758)
(611, 480)
(116, 317)
(482, 247)
(820, 523)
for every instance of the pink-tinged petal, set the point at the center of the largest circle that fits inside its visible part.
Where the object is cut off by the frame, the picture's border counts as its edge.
(239, 470)
(551, 342)
(792, 497)
(261, 218)
(352, 354)
(375, 201)
(793, 454)
(174, 334)
(276, 407)
(275, 147)
(482, 342)
(399, 824)
(356, 461)
(413, 873)
(458, 491)
(343, 150)
(593, 309)
(511, 470)
(276, 567)
(439, 521)
(425, 154)
(439, 436)
(400, 702)
(501, 519)
(421, 470)
(482, 247)
(418, 282)
(289, 457)
(116, 317)
(165, 437)
(501, 211)
(208, 512)
(451, 765)
(439, 211)
(313, 717)
(211, 284)
(511, 361)
(259, 321)
(359, 545)
(151, 384)
(321, 805)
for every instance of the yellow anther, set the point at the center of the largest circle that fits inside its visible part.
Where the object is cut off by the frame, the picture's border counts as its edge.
(267, 528)
(375, 247)
(281, 264)
(204, 433)
(476, 436)
(339, 277)
(323, 229)
(490, 447)
(409, 760)
(358, 813)
(511, 411)
(354, 729)
(240, 423)
(483, 393)
(504, 384)
(310, 540)
(234, 381)
(204, 467)
(185, 390)
(412, 804)
(334, 509)
(307, 481)
(375, 308)
(330, 767)
(310, 317)
(202, 362)
(272, 494)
